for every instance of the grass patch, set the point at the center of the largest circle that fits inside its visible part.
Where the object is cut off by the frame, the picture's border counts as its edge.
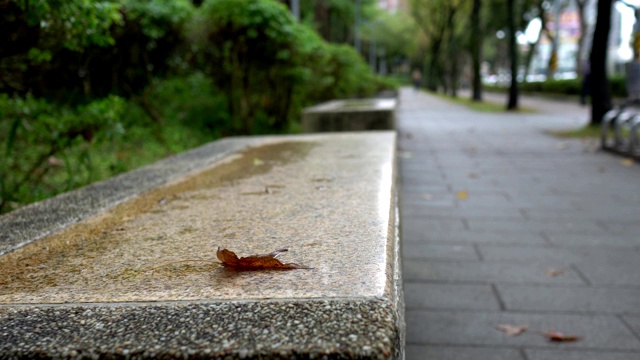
(589, 131)
(480, 106)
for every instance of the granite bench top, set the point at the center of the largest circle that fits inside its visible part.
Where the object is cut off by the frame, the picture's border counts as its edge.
(100, 271)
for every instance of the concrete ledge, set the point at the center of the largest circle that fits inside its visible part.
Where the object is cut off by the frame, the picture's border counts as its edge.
(350, 115)
(37, 220)
(89, 286)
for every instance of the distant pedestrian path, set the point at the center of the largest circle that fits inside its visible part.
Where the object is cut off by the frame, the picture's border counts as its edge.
(510, 233)
(564, 106)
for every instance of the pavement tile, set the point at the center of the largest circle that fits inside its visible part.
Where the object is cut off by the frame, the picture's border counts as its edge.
(474, 197)
(479, 328)
(475, 212)
(469, 237)
(449, 296)
(423, 352)
(532, 225)
(533, 203)
(438, 202)
(422, 176)
(417, 227)
(479, 186)
(435, 188)
(570, 299)
(634, 323)
(480, 272)
(612, 274)
(574, 238)
(565, 256)
(626, 228)
(429, 200)
(413, 250)
(545, 202)
(546, 354)
(608, 211)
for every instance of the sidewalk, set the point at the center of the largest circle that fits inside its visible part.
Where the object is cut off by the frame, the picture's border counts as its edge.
(504, 224)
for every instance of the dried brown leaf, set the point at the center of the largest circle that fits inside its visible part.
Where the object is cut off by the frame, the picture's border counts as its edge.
(255, 262)
(554, 272)
(628, 162)
(557, 336)
(512, 330)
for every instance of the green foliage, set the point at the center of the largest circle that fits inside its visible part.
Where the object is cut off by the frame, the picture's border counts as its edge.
(443, 23)
(566, 87)
(333, 20)
(240, 39)
(571, 86)
(157, 16)
(41, 140)
(87, 48)
(589, 131)
(92, 88)
(48, 148)
(394, 32)
(74, 24)
(193, 102)
(618, 85)
(341, 73)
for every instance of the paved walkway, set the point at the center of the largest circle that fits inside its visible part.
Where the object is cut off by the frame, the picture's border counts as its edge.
(504, 224)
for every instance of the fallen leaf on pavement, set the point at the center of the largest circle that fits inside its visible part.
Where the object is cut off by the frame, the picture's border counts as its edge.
(462, 195)
(257, 161)
(512, 330)
(554, 272)
(255, 262)
(628, 162)
(560, 337)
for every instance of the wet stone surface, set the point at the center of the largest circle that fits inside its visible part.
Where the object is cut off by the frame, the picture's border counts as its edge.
(329, 199)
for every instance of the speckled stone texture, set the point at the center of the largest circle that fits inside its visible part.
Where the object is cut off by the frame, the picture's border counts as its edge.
(109, 280)
(350, 115)
(37, 220)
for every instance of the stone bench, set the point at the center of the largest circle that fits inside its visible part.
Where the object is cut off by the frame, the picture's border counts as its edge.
(350, 115)
(89, 273)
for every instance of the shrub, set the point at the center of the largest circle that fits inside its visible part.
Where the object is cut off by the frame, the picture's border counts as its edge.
(566, 87)
(270, 66)
(249, 49)
(46, 148)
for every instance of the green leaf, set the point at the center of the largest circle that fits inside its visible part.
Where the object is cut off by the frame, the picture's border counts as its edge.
(12, 135)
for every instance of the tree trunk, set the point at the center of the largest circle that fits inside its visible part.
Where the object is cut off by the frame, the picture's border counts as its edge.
(513, 57)
(600, 92)
(581, 4)
(433, 64)
(529, 58)
(453, 52)
(322, 19)
(476, 51)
